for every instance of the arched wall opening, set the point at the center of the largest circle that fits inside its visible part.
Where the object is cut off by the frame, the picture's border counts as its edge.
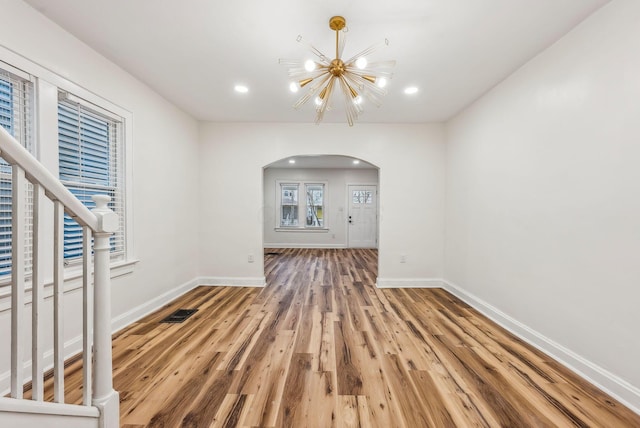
(320, 201)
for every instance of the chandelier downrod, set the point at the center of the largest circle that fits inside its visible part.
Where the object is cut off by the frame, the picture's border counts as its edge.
(337, 23)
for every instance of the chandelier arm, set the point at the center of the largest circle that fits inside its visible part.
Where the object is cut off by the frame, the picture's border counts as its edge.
(366, 84)
(366, 52)
(370, 72)
(312, 90)
(368, 90)
(381, 65)
(352, 84)
(322, 108)
(315, 51)
(351, 108)
(352, 114)
(304, 74)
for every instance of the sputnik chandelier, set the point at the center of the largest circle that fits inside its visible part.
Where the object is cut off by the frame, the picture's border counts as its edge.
(356, 78)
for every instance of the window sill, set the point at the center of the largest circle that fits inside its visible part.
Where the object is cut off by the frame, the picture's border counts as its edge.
(118, 268)
(302, 229)
(72, 281)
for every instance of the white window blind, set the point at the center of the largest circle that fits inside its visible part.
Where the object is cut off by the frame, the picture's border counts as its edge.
(16, 113)
(90, 162)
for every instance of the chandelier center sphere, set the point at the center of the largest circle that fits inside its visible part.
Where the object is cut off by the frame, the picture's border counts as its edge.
(337, 67)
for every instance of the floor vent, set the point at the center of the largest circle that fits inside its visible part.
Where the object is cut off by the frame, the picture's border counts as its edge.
(179, 315)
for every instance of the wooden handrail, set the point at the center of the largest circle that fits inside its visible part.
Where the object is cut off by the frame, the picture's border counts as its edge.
(13, 152)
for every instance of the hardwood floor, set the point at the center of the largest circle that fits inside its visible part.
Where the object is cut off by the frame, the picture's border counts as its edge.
(320, 346)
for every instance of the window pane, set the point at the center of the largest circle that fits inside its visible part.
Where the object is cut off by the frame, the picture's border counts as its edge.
(15, 118)
(289, 205)
(88, 159)
(362, 197)
(315, 205)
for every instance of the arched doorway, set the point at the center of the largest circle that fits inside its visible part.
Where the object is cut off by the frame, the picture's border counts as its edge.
(320, 201)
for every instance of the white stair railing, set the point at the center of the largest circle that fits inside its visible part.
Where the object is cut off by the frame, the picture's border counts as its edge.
(100, 400)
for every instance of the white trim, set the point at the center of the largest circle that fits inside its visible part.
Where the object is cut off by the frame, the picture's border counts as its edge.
(43, 407)
(290, 245)
(301, 229)
(232, 281)
(409, 283)
(620, 389)
(140, 311)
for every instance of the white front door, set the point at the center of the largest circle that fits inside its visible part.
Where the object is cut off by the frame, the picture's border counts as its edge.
(362, 216)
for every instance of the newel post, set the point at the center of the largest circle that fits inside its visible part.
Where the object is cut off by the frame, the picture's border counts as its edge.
(104, 396)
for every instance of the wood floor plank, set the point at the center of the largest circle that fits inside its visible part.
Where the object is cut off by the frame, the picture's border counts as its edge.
(321, 346)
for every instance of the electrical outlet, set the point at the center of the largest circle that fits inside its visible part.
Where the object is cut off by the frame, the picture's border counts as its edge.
(403, 258)
(250, 258)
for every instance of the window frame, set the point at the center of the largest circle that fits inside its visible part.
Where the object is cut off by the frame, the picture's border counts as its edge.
(71, 101)
(47, 84)
(302, 205)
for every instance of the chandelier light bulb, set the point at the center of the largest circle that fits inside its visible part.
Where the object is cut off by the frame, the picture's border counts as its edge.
(381, 82)
(318, 101)
(294, 87)
(309, 65)
(361, 63)
(357, 100)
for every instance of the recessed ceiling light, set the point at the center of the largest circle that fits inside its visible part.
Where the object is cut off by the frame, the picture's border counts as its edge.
(292, 161)
(411, 90)
(356, 161)
(241, 88)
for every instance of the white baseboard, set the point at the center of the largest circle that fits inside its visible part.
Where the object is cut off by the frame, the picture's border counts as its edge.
(74, 345)
(232, 281)
(409, 283)
(615, 386)
(270, 245)
(140, 311)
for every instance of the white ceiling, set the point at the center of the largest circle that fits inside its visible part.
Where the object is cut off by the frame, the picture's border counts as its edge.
(193, 52)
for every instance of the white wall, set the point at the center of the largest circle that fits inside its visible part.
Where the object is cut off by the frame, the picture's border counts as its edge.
(410, 158)
(165, 183)
(543, 206)
(336, 207)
